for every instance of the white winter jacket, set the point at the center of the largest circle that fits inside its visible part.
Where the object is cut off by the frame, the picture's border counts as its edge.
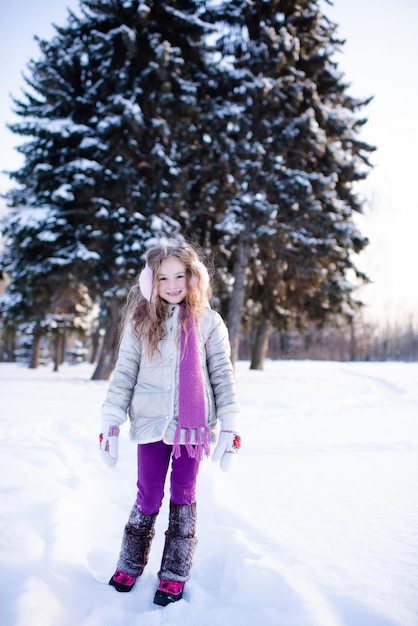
(146, 389)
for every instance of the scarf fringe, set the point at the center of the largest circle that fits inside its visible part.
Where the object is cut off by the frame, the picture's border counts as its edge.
(198, 448)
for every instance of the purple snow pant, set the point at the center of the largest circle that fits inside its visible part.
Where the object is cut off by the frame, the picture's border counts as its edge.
(153, 463)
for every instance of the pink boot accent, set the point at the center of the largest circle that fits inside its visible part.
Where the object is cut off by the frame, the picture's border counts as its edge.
(122, 581)
(171, 586)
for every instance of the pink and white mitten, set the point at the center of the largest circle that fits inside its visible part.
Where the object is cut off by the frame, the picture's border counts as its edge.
(108, 442)
(227, 447)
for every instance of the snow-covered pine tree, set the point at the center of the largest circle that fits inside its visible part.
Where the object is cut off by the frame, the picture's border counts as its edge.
(138, 127)
(312, 256)
(293, 158)
(107, 107)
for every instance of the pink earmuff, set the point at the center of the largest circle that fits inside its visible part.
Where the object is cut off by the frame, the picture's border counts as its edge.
(204, 276)
(145, 282)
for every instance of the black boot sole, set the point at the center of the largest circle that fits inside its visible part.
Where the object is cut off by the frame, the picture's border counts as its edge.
(163, 598)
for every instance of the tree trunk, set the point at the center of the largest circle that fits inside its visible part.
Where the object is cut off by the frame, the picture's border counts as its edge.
(9, 348)
(64, 345)
(109, 350)
(36, 348)
(261, 344)
(59, 340)
(238, 294)
(353, 342)
(95, 345)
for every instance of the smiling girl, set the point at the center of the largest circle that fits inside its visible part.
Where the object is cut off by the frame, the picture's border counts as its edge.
(175, 381)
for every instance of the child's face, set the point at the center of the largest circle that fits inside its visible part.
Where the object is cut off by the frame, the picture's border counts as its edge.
(172, 280)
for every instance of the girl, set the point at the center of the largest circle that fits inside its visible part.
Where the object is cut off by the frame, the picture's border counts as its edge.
(175, 380)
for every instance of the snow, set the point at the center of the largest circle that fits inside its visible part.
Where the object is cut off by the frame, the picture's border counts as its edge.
(315, 526)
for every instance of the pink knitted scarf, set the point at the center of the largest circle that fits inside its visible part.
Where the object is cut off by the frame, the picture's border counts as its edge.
(192, 416)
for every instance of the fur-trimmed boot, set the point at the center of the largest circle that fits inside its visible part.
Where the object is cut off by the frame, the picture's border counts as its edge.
(179, 549)
(136, 544)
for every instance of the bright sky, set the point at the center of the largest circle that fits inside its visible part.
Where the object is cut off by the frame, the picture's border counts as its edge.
(378, 59)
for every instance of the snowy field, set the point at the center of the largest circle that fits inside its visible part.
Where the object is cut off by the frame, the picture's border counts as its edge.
(316, 526)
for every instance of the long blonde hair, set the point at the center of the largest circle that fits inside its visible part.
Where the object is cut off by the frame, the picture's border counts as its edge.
(148, 317)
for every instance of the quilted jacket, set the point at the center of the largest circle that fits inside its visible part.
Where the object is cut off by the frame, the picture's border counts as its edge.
(146, 388)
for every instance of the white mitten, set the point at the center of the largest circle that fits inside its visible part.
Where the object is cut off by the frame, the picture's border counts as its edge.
(109, 445)
(227, 447)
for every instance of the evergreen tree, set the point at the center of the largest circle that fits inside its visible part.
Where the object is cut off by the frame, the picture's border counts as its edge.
(109, 103)
(293, 158)
(227, 121)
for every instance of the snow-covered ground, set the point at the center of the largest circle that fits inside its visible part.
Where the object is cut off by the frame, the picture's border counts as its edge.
(316, 526)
